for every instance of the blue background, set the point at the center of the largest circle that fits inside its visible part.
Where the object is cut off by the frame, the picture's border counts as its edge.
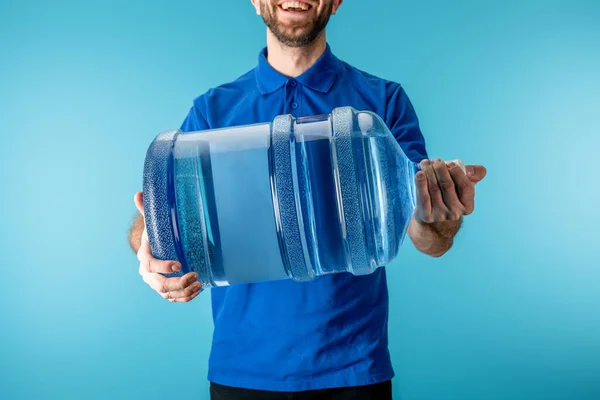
(512, 312)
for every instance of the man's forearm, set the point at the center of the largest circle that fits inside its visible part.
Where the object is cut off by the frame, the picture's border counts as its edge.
(433, 239)
(135, 233)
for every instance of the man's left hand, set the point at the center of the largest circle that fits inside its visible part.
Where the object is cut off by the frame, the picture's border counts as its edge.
(444, 191)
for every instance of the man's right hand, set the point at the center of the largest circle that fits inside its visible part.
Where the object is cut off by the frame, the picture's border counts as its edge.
(176, 290)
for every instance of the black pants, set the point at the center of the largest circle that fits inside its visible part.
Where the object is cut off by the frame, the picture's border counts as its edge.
(378, 391)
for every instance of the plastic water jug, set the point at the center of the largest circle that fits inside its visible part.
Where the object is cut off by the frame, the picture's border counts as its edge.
(293, 199)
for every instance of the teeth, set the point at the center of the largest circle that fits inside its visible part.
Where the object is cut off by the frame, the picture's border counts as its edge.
(294, 4)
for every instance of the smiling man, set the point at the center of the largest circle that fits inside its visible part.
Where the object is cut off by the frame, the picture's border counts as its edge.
(328, 338)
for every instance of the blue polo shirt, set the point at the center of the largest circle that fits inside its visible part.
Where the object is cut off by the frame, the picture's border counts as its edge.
(330, 332)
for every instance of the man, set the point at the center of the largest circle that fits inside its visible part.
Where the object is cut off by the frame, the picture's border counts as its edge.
(325, 338)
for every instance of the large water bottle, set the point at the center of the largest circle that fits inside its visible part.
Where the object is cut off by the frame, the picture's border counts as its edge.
(293, 199)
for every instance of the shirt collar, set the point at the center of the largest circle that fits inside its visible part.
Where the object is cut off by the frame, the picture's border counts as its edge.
(320, 76)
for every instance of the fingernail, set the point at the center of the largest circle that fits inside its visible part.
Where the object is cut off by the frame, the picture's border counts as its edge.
(175, 267)
(437, 161)
(470, 171)
(420, 175)
(425, 162)
(196, 289)
(452, 165)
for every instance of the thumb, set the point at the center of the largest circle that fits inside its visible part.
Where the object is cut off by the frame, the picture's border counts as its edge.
(476, 173)
(138, 199)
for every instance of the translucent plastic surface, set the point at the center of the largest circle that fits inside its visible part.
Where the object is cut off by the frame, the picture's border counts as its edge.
(294, 199)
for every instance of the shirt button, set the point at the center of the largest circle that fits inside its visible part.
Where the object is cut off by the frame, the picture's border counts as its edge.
(294, 105)
(293, 82)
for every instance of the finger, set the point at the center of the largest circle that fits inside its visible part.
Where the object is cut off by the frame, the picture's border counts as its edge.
(162, 284)
(438, 208)
(173, 284)
(423, 198)
(446, 183)
(183, 293)
(185, 299)
(138, 200)
(464, 188)
(476, 173)
(153, 265)
(149, 263)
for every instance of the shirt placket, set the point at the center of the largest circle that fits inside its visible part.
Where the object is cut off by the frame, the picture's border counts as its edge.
(291, 97)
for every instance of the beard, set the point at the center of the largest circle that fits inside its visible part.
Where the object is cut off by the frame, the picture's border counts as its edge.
(297, 36)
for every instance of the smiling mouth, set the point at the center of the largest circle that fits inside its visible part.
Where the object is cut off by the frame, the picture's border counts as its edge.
(295, 6)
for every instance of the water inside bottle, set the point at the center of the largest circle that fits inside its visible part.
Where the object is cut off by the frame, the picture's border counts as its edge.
(225, 185)
(223, 182)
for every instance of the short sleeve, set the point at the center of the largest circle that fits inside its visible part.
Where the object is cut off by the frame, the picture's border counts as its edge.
(194, 121)
(402, 121)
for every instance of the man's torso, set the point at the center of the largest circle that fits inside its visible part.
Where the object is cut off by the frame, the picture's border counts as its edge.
(330, 332)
